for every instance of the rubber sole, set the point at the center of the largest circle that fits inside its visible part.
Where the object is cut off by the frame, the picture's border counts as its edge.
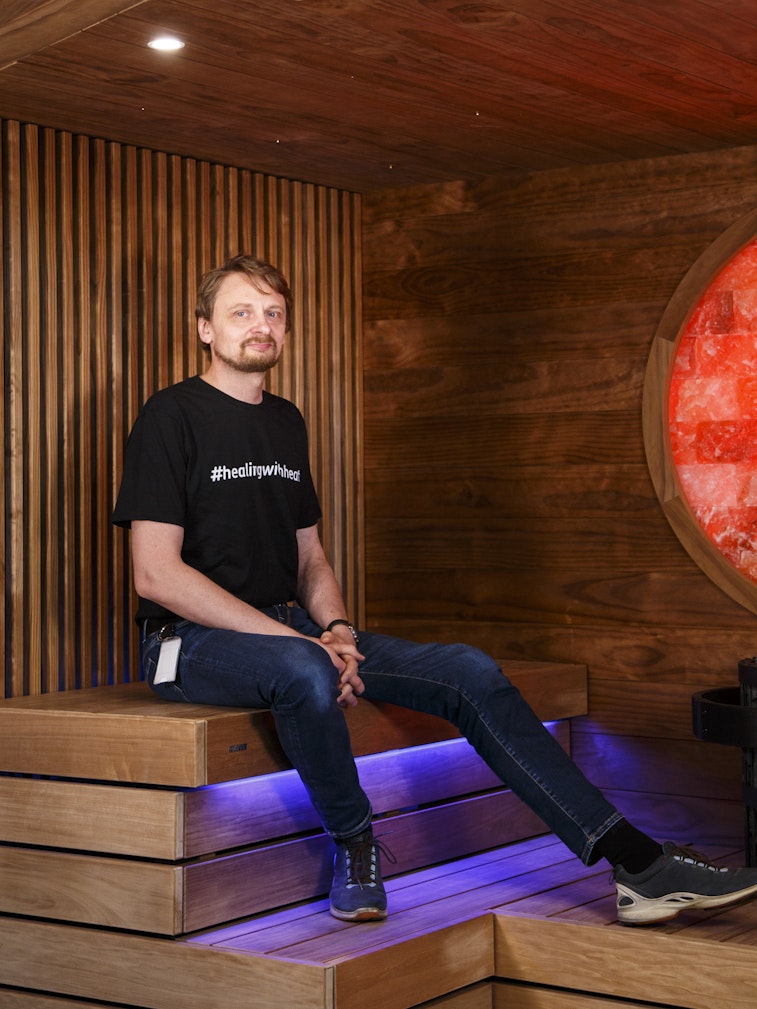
(656, 910)
(359, 914)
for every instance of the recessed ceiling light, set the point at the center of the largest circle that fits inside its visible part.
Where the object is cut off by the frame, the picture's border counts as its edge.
(166, 43)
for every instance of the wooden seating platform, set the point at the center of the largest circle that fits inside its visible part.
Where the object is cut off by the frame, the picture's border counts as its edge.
(170, 860)
(164, 856)
(125, 733)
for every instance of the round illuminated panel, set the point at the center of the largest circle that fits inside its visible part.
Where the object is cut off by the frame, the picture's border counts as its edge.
(700, 412)
(712, 411)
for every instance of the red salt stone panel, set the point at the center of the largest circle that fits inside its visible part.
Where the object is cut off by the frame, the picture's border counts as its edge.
(712, 411)
(726, 441)
(745, 309)
(713, 314)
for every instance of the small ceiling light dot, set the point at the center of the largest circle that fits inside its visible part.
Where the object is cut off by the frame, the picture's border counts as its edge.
(166, 43)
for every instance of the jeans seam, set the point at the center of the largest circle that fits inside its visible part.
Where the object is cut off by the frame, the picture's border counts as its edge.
(590, 837)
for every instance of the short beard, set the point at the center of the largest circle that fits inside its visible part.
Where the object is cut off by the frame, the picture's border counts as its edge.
(258, 364)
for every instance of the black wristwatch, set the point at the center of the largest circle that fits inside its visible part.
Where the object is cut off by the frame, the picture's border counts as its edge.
(349, 627)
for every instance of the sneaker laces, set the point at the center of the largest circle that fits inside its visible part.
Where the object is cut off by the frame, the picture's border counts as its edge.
(685, 853)
(362, 861)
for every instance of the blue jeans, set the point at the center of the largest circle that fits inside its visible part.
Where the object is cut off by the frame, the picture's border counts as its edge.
(297, 681)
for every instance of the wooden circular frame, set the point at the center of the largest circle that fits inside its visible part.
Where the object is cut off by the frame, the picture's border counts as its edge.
(655, 413)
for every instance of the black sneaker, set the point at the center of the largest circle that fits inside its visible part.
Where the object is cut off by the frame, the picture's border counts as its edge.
(357, 890)
(679, 879)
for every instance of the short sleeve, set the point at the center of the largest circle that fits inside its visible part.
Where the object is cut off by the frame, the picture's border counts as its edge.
(153, 485)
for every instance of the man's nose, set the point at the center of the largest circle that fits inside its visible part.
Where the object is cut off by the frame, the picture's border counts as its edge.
(261, 323)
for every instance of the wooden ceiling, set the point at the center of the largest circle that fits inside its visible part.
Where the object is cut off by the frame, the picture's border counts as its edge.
(363, 95)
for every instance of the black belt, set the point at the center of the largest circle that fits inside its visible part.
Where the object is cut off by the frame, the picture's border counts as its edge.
(153, 624)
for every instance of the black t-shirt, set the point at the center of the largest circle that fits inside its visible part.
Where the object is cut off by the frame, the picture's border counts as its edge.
(235, 476)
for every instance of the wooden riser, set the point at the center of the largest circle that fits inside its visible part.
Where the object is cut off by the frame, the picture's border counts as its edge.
(484, 995)
(33, 1000)
(503, 995)
(117, 819)
(171, 900)
(174, 825)
(525, 927)
(255, 823)
(511, 996)
(630, 963)
(125, 733)
(225, 889)
(159, 974)
(151, 973)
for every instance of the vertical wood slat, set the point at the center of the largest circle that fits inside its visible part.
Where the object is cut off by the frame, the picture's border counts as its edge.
(15, 667)
(67, 673)
(51, 384)
(352, 273)
(31, 382)
(84, 475)
(4, 160)
(117, 565)
(99, 338)
(103, 247)
(132, 389)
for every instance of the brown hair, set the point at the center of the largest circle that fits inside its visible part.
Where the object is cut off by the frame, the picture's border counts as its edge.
(257, 271)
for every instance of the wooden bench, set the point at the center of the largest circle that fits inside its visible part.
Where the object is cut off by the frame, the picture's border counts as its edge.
(124, 811)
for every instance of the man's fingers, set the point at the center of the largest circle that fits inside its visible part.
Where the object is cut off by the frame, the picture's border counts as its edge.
(346, 698)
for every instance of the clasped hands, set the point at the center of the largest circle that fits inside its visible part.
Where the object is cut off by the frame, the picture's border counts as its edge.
(346, 657)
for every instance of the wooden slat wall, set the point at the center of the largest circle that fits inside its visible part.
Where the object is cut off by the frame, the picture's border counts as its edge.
(508, 499)
(102, 247)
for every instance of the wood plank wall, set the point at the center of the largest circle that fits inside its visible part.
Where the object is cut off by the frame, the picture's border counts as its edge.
(508, 500)
(102, 247)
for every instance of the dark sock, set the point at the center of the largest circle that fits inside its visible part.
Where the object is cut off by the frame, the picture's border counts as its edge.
(624, 845)
(362, 835)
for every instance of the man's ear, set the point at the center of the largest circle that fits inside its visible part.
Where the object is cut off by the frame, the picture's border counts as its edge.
(203, 331)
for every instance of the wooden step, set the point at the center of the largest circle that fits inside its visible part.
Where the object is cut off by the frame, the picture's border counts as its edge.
(483, 995)
(633, 964)
(10, 999)
(150, 973)
(505, 995)
(458, 934)
(126, 733)
(159, 823)
(173, 825)
(175, 897)
(173, 860)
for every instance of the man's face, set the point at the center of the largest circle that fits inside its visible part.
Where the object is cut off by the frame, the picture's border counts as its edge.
(246, 331)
